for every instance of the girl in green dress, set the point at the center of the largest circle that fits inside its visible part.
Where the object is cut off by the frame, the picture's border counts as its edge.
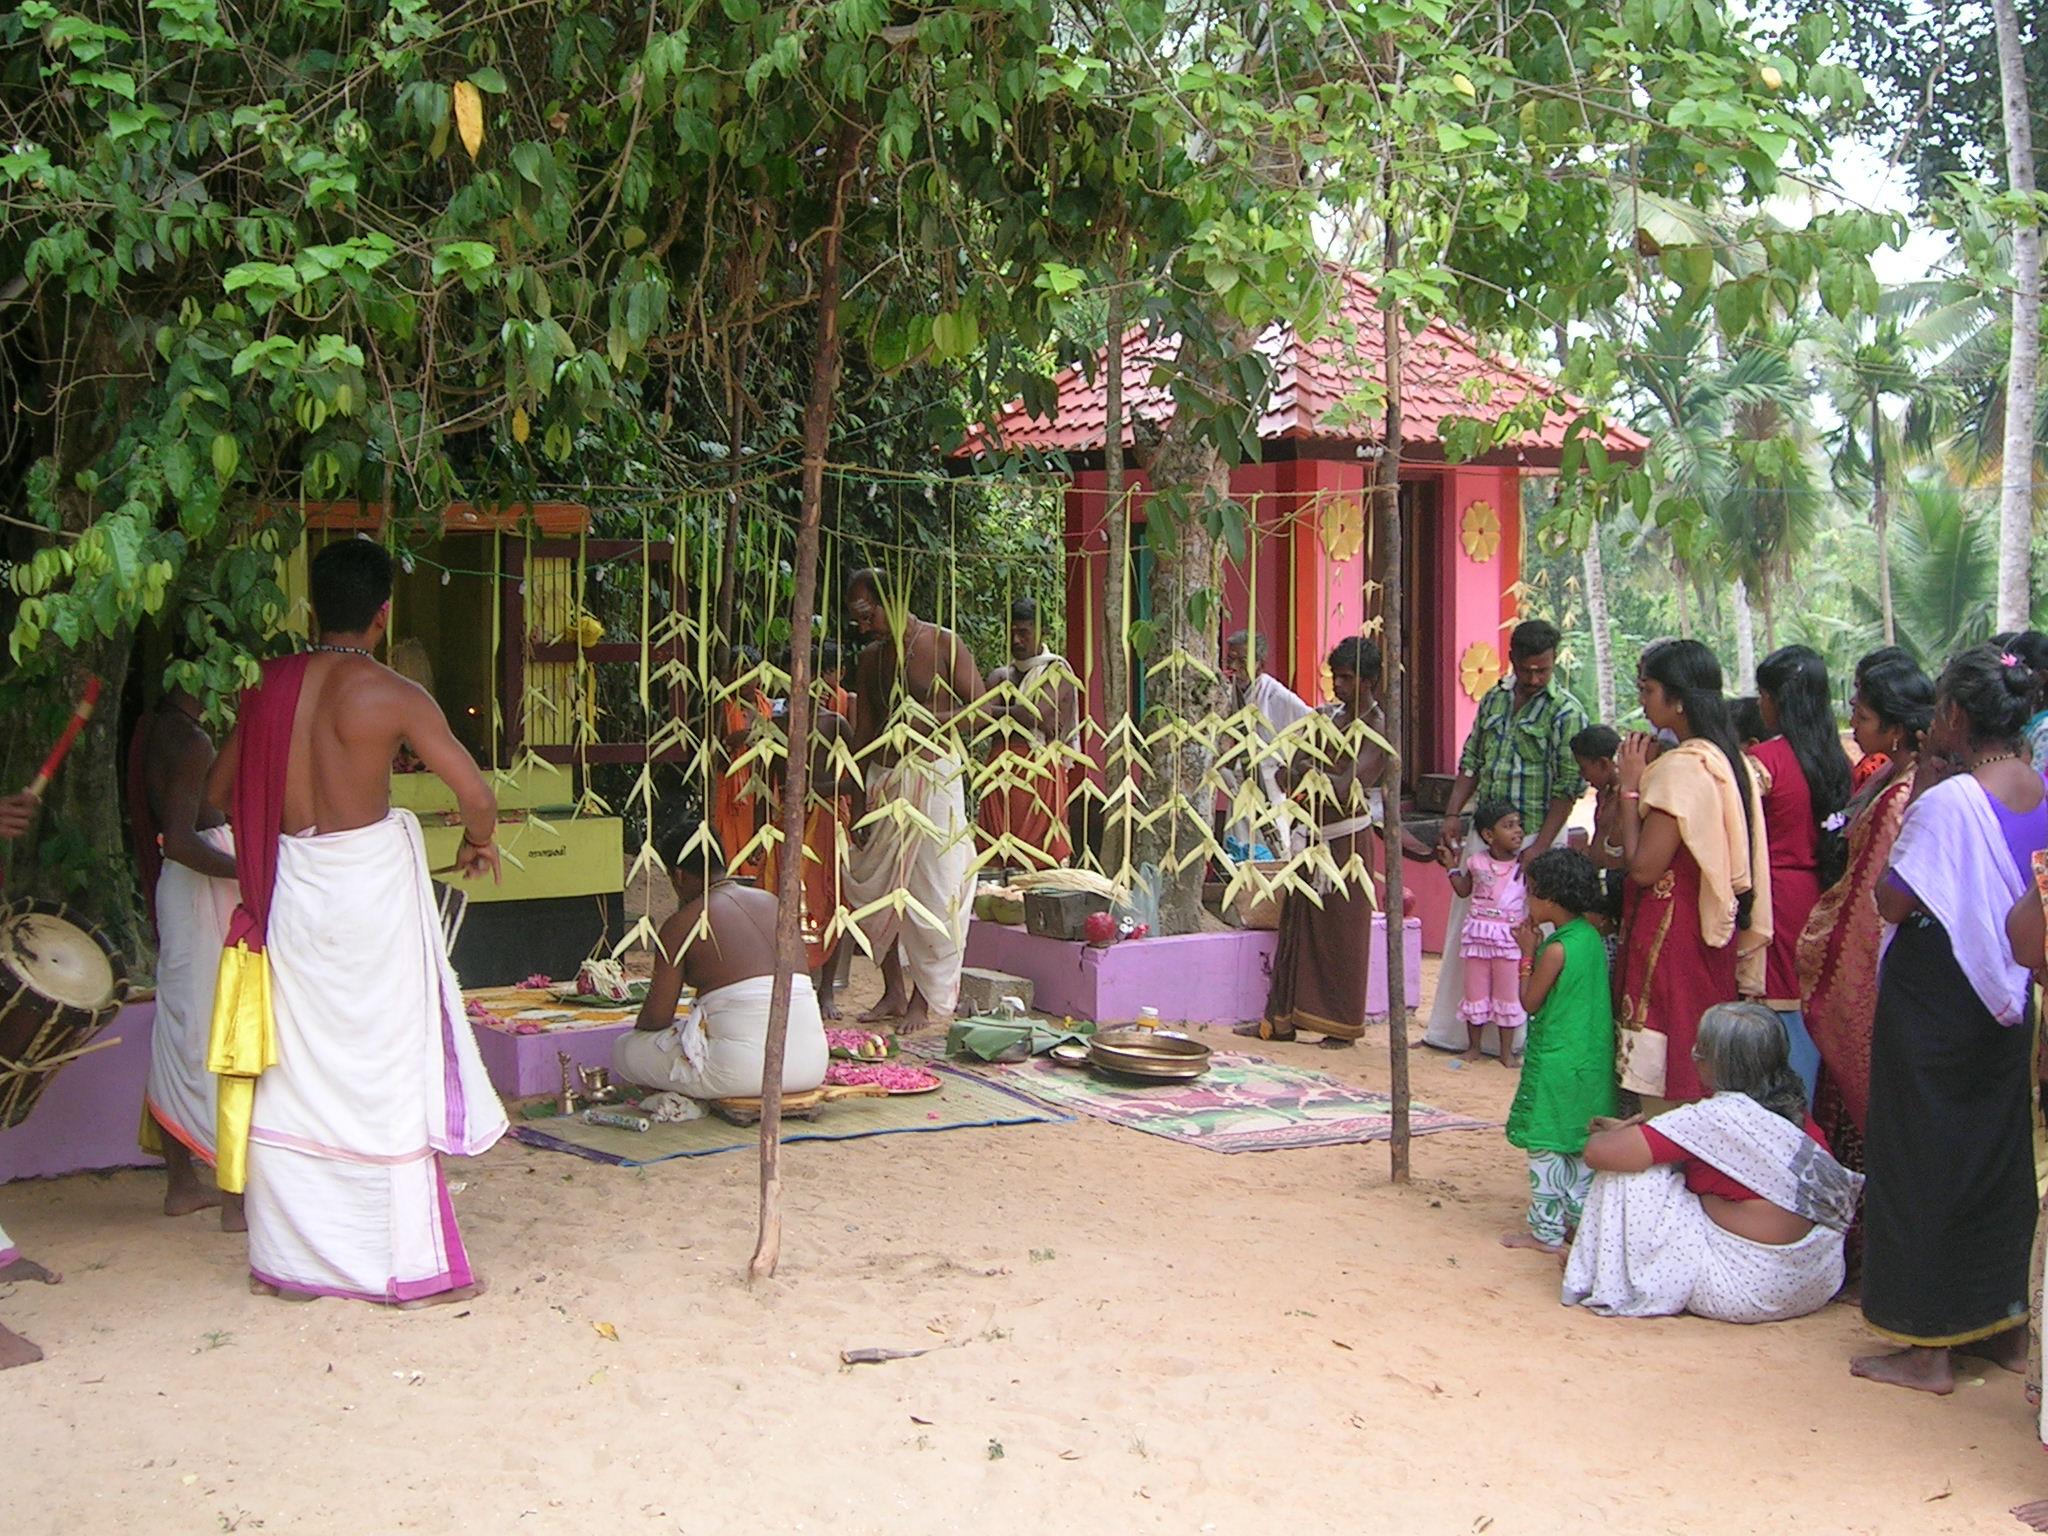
(1568, 1061)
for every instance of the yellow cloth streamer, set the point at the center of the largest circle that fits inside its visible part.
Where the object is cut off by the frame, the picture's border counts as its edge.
(241, 1044)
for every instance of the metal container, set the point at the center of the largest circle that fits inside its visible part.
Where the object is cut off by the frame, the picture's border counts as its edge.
(1146, 1053)
(1061, 914)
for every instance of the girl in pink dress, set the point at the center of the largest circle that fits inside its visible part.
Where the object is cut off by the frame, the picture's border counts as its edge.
(1493, 962)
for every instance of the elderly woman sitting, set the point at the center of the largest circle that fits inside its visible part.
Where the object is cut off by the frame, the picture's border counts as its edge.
(1729, 1208)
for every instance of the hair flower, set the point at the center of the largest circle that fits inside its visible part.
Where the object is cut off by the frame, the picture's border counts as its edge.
(2007, 659)
(1836, 822)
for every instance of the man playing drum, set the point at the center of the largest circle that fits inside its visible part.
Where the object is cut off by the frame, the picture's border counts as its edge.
(195, 897)
(368, 1068)
(17, 814)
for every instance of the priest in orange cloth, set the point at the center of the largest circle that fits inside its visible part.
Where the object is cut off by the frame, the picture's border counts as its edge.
(736, 806)
(1023, 814)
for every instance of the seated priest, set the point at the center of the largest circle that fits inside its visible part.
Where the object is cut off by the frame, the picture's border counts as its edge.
(721, 943)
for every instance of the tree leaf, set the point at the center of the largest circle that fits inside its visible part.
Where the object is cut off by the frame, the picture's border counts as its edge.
(469, 116)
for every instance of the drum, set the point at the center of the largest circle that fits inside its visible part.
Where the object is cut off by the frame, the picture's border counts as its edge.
(60, 984)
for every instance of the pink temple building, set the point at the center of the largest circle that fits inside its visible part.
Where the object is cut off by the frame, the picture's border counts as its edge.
(1312, 572)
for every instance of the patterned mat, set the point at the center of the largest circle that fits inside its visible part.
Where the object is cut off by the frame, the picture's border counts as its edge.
(523, 1011)
(965, 1101)
(1242, 1104)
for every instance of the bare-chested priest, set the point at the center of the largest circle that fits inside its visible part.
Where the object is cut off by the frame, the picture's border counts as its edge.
(1023, 813)
(376, 1074)
(720, 941)
(912, 673)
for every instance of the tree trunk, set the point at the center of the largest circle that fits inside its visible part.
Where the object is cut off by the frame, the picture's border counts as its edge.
(1188, 475)
(796, 776)
(1596, 621)
(1880, 517)
(2022, 378)
(1393, 649)
(1744, 679)
(1680, 589)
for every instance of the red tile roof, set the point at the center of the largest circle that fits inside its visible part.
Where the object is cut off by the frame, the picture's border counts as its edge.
(1315, 392)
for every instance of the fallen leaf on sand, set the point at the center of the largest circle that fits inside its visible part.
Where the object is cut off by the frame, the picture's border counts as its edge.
(878, 1355)
(1341, 1344)
(1070, 1455)
(607, 1331)
(927, 1423)
(189, 1479)
(1946, 1490)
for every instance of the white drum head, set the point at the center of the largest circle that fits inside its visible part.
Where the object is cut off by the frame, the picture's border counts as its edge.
(57, 959)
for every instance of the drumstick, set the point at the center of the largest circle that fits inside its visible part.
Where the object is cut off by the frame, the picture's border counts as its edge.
(55, 760)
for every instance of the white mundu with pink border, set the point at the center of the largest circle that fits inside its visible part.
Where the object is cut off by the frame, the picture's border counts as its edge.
(377, 1076)
(192, 914)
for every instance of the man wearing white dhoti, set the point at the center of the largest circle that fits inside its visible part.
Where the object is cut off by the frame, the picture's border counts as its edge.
(1279, 831)
(914, 680)
(336, 1002)
(1730, 1208)
(1519, 750)
(720, 942)
(195, 898)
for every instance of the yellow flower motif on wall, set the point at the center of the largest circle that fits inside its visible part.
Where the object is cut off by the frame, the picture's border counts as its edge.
(1479, 531)
(1343, 528)
(1479, 669)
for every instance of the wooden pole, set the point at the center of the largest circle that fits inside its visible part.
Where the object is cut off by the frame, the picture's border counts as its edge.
(1394, 610)
(796, 777)
(1116, 698)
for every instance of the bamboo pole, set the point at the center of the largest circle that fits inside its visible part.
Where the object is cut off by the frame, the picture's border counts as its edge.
(1116, 598)
(789, 958)
(1393, 628)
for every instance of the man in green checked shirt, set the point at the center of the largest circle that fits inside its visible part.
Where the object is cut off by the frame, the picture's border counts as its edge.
(1519, 751)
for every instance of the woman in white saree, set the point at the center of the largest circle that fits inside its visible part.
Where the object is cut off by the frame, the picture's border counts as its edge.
(1731, 1208)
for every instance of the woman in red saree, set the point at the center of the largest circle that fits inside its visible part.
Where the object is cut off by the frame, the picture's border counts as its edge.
(1838, 947)
(1806, 787)
(1691, 825)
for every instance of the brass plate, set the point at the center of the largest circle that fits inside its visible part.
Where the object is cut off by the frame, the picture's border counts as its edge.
(1148, 1053)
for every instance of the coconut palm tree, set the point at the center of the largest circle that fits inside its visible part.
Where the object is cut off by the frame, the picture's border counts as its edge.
(1945, 569)
(1775, 495)
(1962, 328)
(1871, 368)
(1733, 458)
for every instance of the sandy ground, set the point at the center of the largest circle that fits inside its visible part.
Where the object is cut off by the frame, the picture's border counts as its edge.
(1149, 1337)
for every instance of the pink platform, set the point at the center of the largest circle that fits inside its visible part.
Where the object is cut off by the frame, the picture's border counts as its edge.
(87, 1118)
(1197, 978)
(524, 1065)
